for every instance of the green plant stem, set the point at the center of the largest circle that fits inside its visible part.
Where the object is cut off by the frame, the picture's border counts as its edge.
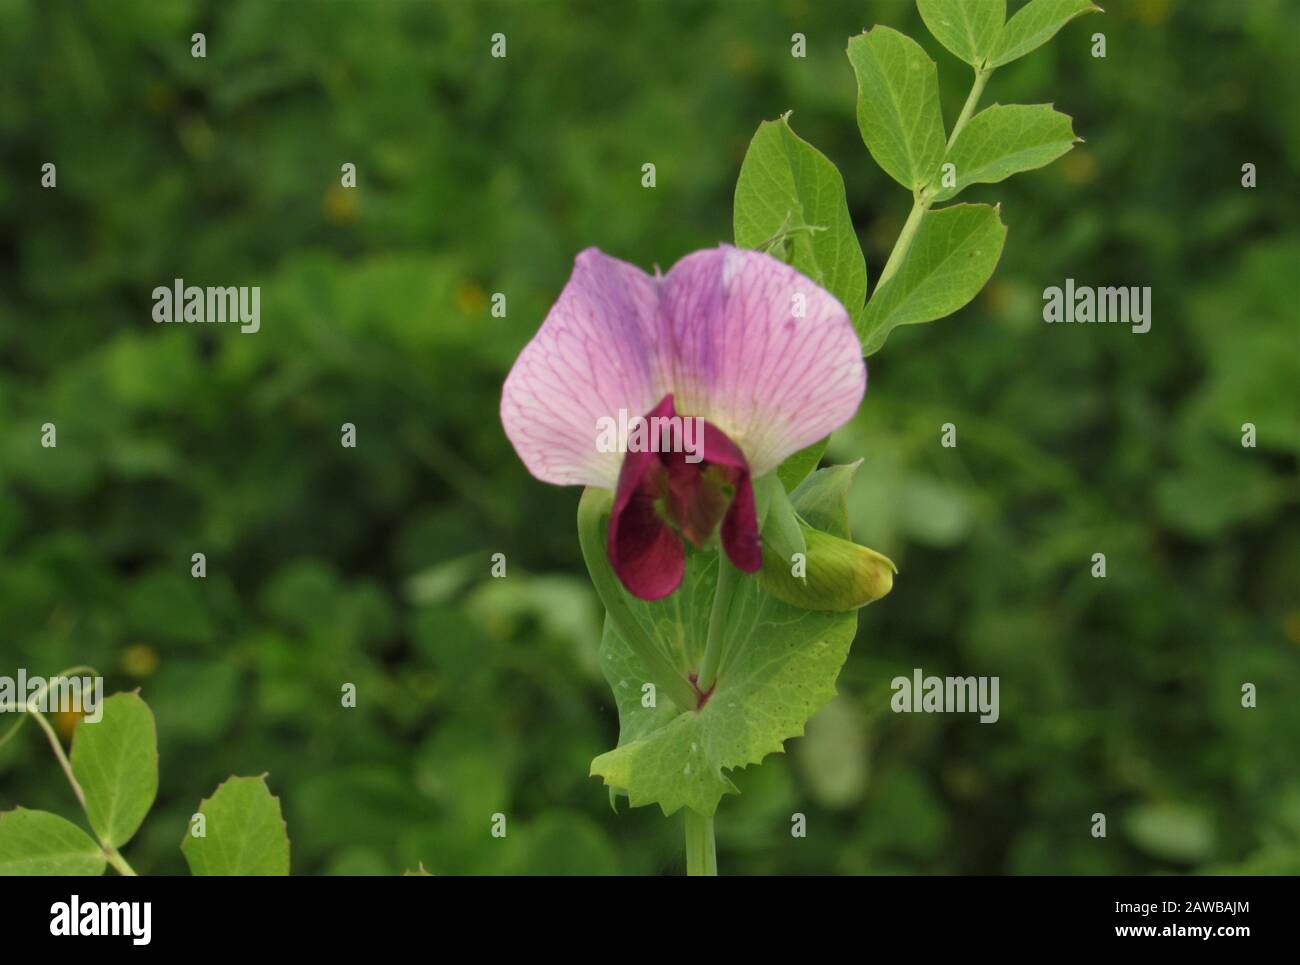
(919, 207)
(701, 852)
(110, 853)
(593, 511)
(728, 578)
(117, 861)
(973, 98)
(58, 753)
(924, 197)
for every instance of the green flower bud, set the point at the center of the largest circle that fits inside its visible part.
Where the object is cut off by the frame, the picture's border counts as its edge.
(833, 574)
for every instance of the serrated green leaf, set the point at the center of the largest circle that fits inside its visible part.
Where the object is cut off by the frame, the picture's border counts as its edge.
(787, 183)
(779, 667)
(115, 760)
(244, 832)
(1035, 24)
(952, 256)
(41, 843)
(1005, 139)
(898, 105)
(967, 28)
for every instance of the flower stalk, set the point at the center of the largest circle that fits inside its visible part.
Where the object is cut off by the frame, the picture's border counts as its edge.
(593, 514)
(728, 578)
(701, 850)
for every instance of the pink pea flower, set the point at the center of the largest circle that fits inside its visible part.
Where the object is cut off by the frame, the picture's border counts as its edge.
(760, 360)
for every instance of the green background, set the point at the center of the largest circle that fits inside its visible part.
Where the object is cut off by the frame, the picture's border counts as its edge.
(371, 565)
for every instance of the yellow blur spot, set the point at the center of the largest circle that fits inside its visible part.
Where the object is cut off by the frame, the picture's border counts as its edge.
(140, 660)
(339, 204)
(739, 57)
(470, 298)
(1153, 12)
(500, 627)
(65, 722)
(1079, 166)
(997, 296)
(196, 137)
(1291, 626)
(160, 99)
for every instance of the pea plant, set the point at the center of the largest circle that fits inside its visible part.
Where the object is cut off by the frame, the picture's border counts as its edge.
(730, 580)
(693, 407)
(113, 772)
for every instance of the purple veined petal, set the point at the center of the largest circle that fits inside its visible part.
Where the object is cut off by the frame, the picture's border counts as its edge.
(597, 352)
(760, 351)
(741, 339)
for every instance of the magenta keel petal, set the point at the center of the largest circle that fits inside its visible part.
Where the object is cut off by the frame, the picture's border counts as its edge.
(740, 537)
(665, 496)
(645, 553)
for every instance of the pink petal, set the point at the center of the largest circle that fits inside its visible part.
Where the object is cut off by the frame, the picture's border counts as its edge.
(720, 332)
(595, 354)
(740, 358)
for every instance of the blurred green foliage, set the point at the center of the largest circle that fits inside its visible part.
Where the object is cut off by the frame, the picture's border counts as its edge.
(371, 565)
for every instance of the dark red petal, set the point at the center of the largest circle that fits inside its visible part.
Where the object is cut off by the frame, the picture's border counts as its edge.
(646, 554)
(740, 529)
(697, 497)
(695, 501)
(644, 551)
